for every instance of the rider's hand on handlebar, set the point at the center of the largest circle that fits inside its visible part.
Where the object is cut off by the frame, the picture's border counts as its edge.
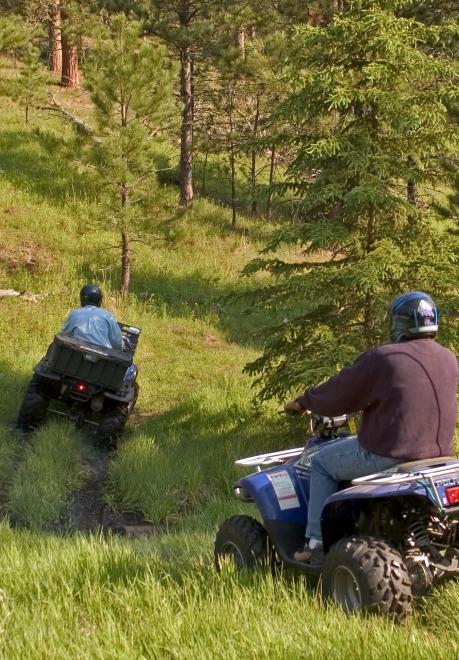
(293, 408)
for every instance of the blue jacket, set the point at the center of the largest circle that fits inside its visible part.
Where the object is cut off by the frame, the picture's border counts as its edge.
(94, 325)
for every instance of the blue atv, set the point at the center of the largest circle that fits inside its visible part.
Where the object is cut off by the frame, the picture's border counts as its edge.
(387, 537)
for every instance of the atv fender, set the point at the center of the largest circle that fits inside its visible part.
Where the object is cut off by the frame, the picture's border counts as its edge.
(125, 395)
(43, 371)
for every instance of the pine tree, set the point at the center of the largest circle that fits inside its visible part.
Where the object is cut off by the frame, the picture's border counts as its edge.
(237, 85)
(13, 34)
(380, 101)
(191, 28)
(131, 86)
(30, 87)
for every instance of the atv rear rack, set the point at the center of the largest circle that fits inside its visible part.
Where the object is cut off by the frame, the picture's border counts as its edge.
(415, 475)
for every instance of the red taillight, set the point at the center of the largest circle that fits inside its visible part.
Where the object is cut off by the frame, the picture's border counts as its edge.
(81, 387)
(452, 495)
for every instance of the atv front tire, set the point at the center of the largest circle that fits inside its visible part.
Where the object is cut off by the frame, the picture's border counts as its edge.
(243, 541)
(367, 574)
(34, 406)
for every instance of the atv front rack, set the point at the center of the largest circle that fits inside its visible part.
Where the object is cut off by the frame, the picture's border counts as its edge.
(424, 475)
(272, 458)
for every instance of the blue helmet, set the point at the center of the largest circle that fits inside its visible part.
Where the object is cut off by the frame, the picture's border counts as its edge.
(413, 315)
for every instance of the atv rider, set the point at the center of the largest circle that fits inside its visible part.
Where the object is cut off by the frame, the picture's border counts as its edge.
(91, 323)
(407, 392)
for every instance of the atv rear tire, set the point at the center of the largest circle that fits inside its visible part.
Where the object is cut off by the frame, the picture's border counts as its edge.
(111, 426)
(34, 406)
(113, 422)
(244, 541)
(367, 574)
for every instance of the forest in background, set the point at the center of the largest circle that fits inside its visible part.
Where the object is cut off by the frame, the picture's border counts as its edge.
(336, 120)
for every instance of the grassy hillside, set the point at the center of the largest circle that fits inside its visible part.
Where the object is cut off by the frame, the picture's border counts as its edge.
(72, 595)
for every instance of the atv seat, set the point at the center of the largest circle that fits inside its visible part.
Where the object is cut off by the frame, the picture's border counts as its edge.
(94, 364)
(425, 463)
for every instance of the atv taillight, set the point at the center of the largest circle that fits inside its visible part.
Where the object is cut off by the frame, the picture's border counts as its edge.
(81, 388)
(452, 495)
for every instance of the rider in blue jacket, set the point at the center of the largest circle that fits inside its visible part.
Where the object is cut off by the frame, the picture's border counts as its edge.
(91, 323)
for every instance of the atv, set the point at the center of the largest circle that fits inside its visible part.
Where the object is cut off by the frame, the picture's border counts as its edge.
(87, 383)
(387, 537)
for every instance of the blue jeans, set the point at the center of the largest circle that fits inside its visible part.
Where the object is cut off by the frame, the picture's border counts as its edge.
(342, 461)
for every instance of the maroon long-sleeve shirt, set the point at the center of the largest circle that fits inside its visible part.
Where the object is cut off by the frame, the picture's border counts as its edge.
(407, 392)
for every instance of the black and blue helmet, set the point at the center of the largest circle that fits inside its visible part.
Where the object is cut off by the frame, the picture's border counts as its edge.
(413, 315)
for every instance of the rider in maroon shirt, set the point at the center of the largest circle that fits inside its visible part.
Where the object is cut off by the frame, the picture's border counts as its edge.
(407, 392)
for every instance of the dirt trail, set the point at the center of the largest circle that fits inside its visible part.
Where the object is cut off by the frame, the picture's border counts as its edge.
(89, 513)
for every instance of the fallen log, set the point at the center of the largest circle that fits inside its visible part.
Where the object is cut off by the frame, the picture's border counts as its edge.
(65, 113)
(30, 297)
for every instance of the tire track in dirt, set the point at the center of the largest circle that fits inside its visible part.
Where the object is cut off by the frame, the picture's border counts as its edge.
(89, 512)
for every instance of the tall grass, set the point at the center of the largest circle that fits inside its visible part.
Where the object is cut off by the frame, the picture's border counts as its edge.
(51, 469)
(100, 598)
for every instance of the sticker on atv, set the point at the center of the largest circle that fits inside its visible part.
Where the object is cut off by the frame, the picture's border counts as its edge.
(285, 490)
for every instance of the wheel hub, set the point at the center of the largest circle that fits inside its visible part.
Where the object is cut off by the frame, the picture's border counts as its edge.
(230, 549)
(346, 590)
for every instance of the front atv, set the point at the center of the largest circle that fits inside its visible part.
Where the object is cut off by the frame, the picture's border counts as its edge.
(86, 383)
(387, 537)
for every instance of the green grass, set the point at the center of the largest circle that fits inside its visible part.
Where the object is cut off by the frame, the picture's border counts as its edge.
(93, 597)
(158, 597)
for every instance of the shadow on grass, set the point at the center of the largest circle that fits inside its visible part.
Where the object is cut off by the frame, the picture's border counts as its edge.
(12, 387)
(178, 461)
(229, 306)
(30, 160)
(214, 184)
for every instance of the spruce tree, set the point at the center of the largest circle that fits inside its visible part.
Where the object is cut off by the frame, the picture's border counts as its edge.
(367, 228)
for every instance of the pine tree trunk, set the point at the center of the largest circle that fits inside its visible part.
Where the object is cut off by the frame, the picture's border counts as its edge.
(411, 192)
(272, 165)
(125, 263)
(70, 73)
(125, 247)
(240, 41)
(186, 141)
(55, 38)
(204, 172)
(233, 185)
(331, 8)
(253, 167)
(233, 172)
(411, 188)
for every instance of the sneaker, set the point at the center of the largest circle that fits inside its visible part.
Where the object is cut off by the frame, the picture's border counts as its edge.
(314, 557)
